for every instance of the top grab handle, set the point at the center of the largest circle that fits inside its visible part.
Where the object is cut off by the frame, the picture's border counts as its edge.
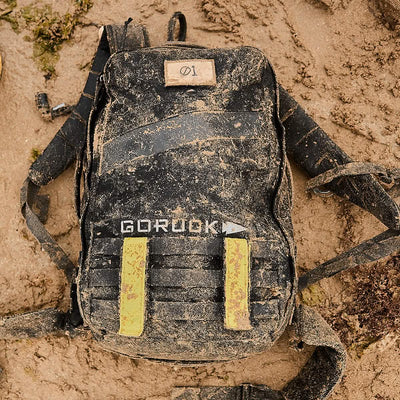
(178, 16)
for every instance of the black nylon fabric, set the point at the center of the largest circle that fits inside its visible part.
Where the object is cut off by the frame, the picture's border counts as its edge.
(212, 154)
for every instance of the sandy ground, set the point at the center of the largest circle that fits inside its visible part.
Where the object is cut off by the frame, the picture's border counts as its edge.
(337, 59)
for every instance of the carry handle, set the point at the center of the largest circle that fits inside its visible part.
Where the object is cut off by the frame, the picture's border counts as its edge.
(178, 16)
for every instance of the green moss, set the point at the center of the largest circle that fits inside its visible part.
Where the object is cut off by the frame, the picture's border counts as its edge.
(35, 153)
(7, 15)
(313, 295)
(10, 3)
(83, 6)
(359, 348)
(11, 20)
(49, 29)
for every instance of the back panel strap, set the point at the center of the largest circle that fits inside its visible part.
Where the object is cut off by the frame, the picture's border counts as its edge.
(126, 37)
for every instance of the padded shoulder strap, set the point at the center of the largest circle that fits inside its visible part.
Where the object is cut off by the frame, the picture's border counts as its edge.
(312, 149)
(70, 139)
(314, 382)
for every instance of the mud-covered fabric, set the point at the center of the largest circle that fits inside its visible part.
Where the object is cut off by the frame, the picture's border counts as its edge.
(32, 324)
(209, 157)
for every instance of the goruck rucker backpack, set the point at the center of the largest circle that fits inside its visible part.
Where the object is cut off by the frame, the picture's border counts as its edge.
(187, 243)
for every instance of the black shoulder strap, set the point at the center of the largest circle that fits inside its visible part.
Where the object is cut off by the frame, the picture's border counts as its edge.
(314, 382)
(67, 144)
(331, 167)
(313, 150)
(71, 137)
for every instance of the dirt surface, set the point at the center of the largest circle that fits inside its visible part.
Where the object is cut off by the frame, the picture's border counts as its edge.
(341, 60)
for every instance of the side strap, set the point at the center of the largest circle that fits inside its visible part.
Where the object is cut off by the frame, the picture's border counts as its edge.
(370, 250)
(28, 200)
(315, 381)
(388, 176)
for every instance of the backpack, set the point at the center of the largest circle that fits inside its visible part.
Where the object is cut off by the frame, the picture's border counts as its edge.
(188, 253)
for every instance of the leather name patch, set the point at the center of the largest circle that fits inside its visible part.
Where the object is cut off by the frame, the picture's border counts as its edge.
(190, 73)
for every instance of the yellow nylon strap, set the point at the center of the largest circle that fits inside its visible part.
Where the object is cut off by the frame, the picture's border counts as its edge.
(133, 291)
(237, 269)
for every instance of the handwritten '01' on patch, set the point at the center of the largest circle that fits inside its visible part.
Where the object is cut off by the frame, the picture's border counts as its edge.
(190, 73)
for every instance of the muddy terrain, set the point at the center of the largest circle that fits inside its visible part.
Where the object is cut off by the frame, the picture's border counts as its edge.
(340, 59)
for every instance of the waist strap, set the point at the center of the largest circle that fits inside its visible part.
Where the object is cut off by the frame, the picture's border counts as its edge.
(314, 382)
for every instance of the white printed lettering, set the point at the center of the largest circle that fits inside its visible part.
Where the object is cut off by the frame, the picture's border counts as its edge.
(127, 226)
(144, 225)
(195, 226)
(178, 225)
(210, 227)
(161, 224)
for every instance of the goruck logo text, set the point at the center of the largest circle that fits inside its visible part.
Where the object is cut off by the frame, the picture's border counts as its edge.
(180, 225)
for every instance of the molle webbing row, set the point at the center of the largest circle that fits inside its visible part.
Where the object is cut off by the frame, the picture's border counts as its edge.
(135, 256)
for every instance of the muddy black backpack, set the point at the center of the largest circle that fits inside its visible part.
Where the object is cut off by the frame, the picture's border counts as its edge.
(187, 243)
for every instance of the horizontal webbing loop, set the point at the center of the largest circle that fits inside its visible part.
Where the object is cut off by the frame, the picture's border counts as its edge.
(183, 311)
(179, 246)
(182, 278)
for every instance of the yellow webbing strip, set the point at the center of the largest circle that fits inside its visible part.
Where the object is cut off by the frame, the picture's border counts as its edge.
(237, 269)
(133, 280)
